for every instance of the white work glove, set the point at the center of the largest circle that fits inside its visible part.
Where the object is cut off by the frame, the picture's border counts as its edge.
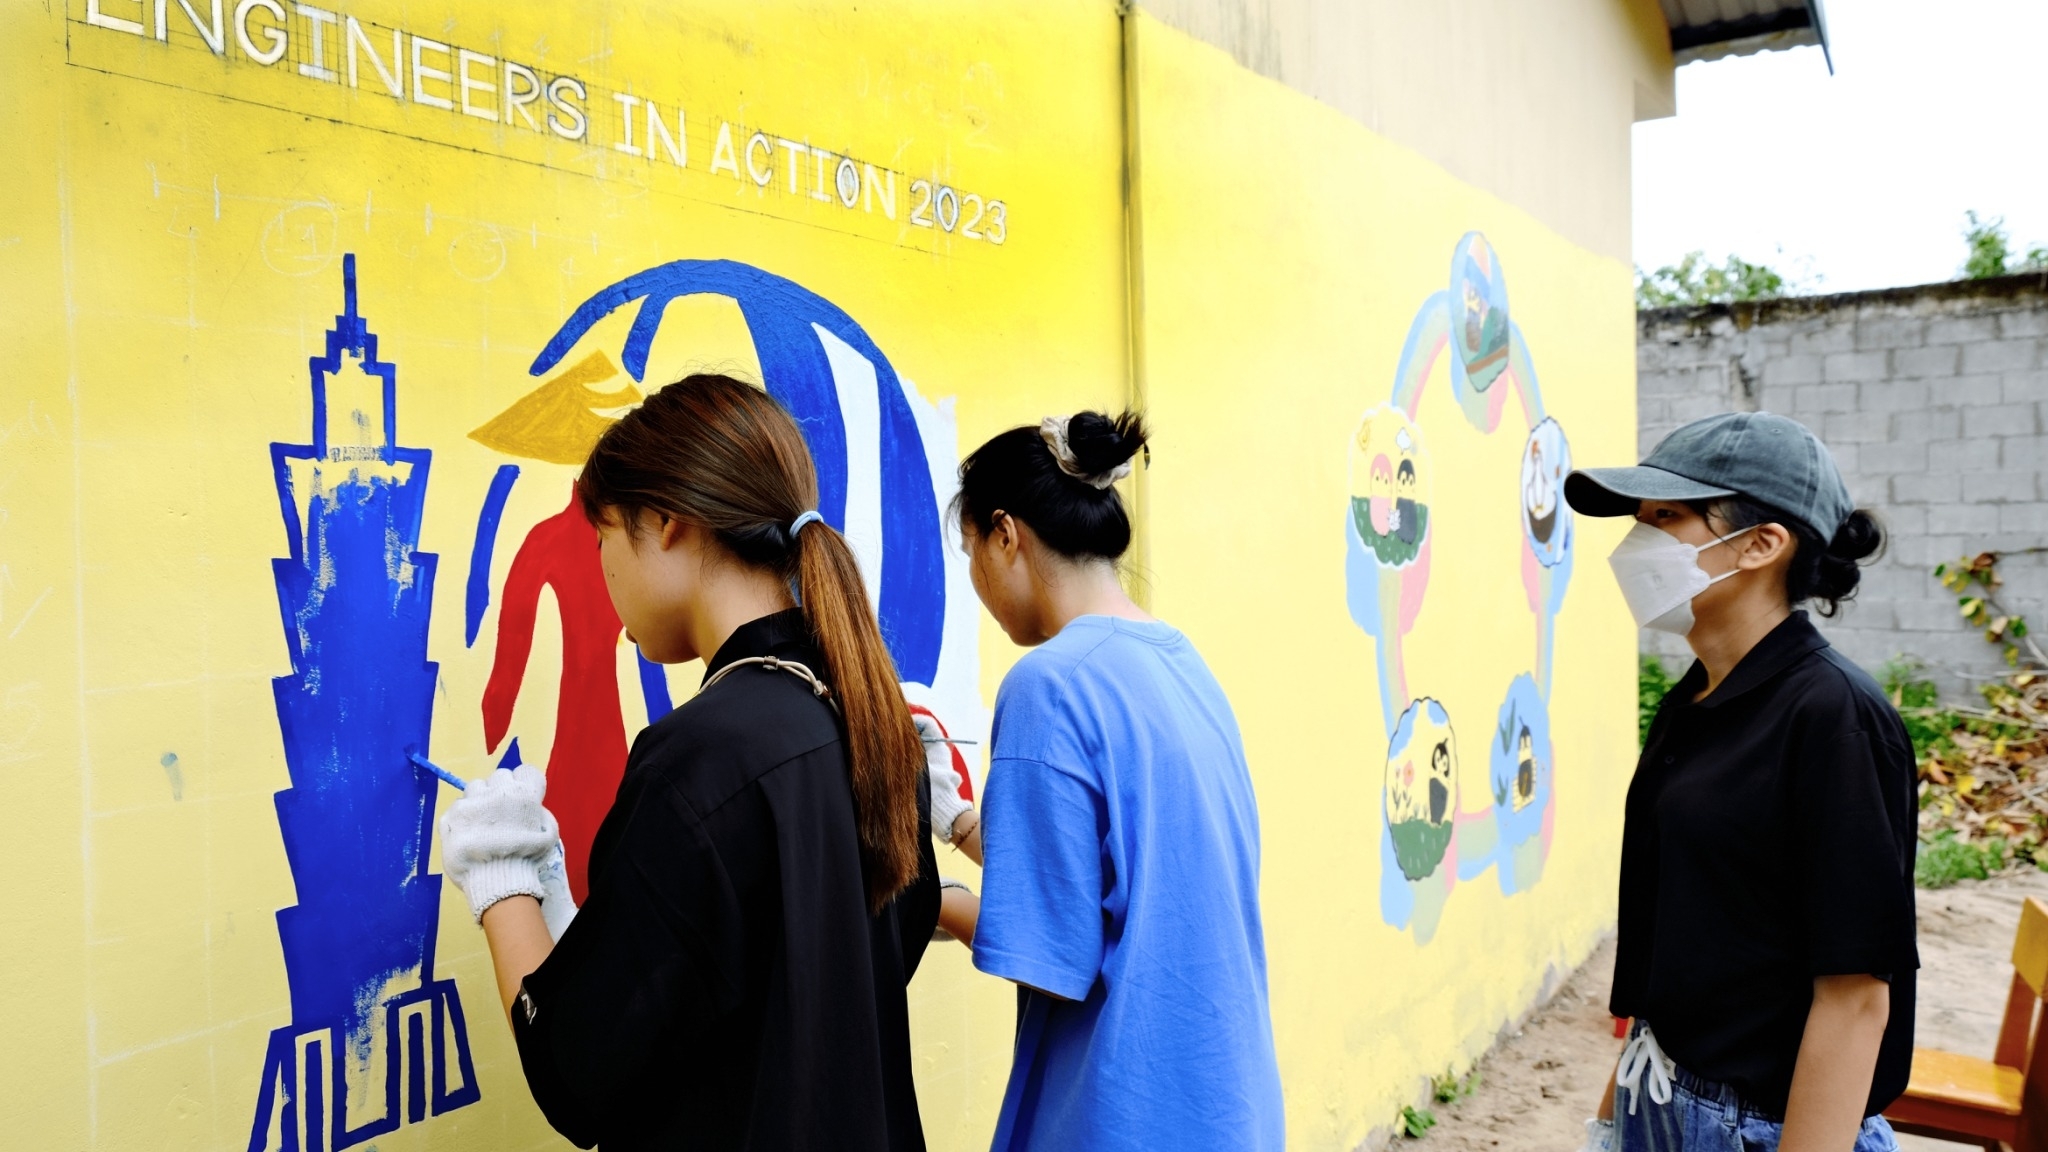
(938, 764)
(1599, 1136)
(557, 907)
(496, 836)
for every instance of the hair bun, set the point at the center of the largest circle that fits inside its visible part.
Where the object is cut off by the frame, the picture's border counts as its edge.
(1100, 444)
(1859, 537)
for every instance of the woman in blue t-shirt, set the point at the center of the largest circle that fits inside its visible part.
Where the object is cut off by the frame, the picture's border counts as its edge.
(1121, 837)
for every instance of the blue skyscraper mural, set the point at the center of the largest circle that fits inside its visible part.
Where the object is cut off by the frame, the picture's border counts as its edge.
(375, 1040)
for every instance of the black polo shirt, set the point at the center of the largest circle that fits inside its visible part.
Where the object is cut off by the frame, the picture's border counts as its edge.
(724, 986)
(1769, 840)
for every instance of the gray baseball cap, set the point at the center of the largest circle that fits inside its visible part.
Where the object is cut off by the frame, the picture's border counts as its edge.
(1768, 458)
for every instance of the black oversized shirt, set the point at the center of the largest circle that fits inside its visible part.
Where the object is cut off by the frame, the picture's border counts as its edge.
(724, 986)
(1769, 840)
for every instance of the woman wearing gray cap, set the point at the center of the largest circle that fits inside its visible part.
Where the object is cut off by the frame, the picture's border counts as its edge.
(1766, 948)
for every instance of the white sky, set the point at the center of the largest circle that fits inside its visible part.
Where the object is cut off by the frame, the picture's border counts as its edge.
(1936, 106)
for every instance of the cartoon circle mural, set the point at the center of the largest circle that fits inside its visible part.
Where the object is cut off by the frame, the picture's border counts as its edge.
(1435, 831)
(1546, 518)
(1389, 487)
(1520, 759)
(1422, 780)
(1479, 295)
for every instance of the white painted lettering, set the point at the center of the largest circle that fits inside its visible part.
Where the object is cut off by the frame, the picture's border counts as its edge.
(100, 19)
(393, 77)
(518, 98)
(318, 18)
(794, 152)
(846, 181)
(626, 106)
(761, 175)
(272, 34)
(566, 119)
(678, 145)
(215, 34)
(869, 193)
(722, 158)
(467, 83)
(422, 73)
(819, 156)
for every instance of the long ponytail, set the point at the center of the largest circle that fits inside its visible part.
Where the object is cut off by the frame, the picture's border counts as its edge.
(718, 452)
(883, 751)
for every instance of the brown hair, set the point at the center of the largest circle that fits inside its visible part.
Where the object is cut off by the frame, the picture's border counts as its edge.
(717, 452)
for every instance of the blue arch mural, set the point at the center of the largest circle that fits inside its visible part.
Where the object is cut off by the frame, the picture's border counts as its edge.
(785, 319)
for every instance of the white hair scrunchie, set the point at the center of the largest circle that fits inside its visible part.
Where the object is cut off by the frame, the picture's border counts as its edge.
(1053, 430)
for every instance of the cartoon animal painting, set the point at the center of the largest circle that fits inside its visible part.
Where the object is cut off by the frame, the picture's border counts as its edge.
(1421, 791)
(1389, 487)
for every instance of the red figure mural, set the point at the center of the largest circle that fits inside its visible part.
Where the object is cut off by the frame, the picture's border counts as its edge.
(589, 753)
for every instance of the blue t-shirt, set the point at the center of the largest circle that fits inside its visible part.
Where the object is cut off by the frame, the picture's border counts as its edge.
(1122, 873)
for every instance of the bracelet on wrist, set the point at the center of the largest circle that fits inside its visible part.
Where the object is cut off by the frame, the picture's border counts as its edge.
(960, 835)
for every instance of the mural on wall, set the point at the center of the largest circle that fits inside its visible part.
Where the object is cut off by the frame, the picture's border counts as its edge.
(1440, 827)
(375, 1040)
(558, 423)
(876, 484)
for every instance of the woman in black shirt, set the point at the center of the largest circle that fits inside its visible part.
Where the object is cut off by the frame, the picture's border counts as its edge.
(763, 886)
(1766, 927)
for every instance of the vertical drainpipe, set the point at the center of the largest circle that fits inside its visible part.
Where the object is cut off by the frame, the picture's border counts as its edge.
(1139, 564)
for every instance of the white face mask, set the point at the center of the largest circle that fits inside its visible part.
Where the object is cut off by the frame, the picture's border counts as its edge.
(1660, 574)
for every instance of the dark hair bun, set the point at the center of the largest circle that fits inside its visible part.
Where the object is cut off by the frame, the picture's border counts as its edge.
(1016, 473)
(1100, 443)
(1861, 536)
(1838, 569)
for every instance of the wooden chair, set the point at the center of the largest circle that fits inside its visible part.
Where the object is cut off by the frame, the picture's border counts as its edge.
(2000, 1104)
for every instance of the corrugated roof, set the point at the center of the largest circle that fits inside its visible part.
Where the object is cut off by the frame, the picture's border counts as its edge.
(1712, 29)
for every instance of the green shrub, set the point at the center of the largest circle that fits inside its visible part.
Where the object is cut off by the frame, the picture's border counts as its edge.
(1919, 705)
(1652, 684)
(1415, 1121)
(1945, 859)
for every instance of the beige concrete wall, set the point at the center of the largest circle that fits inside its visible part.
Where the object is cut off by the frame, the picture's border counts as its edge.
(1531, 102)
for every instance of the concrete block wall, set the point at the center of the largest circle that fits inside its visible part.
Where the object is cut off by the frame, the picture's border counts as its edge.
(1934, 401)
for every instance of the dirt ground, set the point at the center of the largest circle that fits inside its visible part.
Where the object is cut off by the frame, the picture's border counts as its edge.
(1537, 1088)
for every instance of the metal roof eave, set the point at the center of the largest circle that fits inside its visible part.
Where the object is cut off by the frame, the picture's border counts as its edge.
(1754, 32)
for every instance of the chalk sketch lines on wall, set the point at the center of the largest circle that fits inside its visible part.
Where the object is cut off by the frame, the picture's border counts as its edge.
(1444, 821)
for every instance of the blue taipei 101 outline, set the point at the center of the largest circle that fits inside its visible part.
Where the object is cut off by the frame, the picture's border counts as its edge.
(356, 596)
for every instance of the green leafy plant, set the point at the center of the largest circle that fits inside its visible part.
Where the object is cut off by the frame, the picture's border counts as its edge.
(1415, 1121)
(1450, 1087)
(1928, 724)
(1692, 281)
(1990, 251)
(1975, 581)
(1945, 859)
(1653, 683)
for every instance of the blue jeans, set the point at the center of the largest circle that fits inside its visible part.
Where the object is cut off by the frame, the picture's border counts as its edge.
(1707, 1117)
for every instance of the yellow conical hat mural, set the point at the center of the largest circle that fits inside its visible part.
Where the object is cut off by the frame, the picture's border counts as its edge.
(558, 421)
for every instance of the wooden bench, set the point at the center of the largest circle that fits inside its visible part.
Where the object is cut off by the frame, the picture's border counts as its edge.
(2000, 1104)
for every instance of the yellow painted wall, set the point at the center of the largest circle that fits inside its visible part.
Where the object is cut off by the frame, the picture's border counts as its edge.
(172, 243)
(170, 251)
(1286, 251)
